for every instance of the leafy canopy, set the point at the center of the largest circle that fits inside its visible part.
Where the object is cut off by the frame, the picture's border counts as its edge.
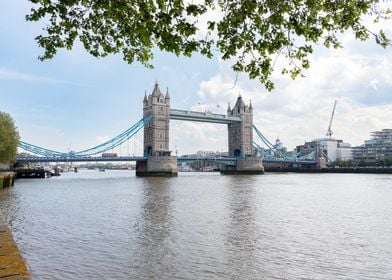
(251, 33)
(9, 138)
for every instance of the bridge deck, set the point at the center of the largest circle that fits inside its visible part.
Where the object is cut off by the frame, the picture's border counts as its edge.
(77, 159)
(202, 117)
(229, 161)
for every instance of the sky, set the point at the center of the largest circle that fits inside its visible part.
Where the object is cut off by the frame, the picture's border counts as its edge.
(76, 101)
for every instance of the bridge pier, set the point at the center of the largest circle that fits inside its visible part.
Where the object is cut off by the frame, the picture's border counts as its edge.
(157, 166)
(245, 166)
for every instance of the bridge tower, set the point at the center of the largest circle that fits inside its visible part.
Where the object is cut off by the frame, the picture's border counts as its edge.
(241, 134)
(159, 162)
(156, 132)
(241, 141)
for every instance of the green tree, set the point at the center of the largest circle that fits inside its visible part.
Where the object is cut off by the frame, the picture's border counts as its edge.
(251, 33)
(9, 138)
(384, 161)
(343, 163)
(388, 161)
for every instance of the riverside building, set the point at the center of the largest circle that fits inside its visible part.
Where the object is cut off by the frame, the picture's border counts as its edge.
(332, 149)
(378, 148)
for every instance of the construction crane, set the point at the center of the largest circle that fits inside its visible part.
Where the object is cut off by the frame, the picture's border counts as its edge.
(329, 131)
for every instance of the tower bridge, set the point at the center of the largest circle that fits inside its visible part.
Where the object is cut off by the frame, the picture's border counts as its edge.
(157, 159)
(159, 162)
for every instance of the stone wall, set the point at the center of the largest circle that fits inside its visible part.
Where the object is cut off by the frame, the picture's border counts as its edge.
(249, 165)
(157, 166)
(166, 164)
(12, 265)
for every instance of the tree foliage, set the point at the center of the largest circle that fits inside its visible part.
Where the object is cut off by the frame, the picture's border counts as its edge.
(384, 162)
(251, 33)
(9, 138)
(343, 163)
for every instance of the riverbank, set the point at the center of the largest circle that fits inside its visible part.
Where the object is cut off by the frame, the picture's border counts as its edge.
(355, 170)
(12, 265)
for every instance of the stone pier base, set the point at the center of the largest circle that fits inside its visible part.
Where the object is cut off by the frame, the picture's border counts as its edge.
(157, 166)
(245, 166)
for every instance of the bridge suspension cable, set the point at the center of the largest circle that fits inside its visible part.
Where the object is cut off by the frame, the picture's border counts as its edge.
(277, 154)
(38, 150)
(264, 140)
(104, 147)
(116, 141)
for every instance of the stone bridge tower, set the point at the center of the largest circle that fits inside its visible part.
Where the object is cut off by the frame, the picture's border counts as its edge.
(156, 137)
(241, 141)
(241, 134)
(156, 132)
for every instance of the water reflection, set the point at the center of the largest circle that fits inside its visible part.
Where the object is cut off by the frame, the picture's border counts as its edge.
(110, 225)
(11, 204)
(242, 227)
(152, 252)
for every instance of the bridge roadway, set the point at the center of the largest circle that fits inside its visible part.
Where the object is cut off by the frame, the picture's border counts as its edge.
(185, 115)
(223, 160)
(109, 159)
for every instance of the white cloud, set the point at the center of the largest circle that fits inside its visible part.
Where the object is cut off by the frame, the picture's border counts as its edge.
(12, 75)
(299, 110)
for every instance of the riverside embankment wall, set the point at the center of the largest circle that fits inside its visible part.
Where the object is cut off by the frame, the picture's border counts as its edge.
(12, 265)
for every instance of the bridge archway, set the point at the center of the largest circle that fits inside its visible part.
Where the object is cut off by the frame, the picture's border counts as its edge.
(149, 151)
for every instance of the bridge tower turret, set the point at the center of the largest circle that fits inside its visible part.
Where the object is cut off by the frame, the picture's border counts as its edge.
(241, 134)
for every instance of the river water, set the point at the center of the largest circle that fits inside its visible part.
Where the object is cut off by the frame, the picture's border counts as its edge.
(112, 225)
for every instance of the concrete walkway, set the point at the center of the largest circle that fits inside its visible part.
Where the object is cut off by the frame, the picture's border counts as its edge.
(12, 265)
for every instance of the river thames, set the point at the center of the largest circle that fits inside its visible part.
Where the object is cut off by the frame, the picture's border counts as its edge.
(112, 225)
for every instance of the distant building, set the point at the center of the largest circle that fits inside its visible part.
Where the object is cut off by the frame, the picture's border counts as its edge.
(202, 165)
(332, 149)
(379, 147)
(278, 150)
